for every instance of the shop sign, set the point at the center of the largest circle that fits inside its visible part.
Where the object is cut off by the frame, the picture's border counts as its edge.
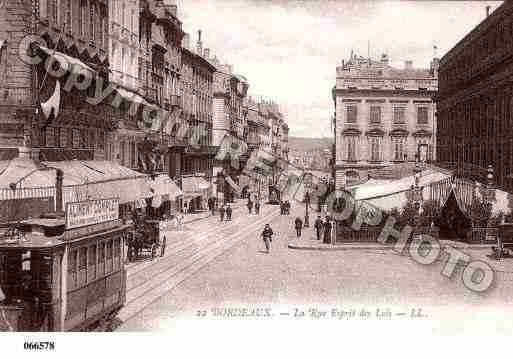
(87, 213)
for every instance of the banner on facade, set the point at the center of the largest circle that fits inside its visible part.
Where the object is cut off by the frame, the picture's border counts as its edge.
(87, 213)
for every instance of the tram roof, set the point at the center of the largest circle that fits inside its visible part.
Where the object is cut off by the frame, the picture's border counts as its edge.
(39, 241)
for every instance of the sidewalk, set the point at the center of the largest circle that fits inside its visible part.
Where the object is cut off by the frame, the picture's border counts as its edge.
(193, 217)
(308, 242)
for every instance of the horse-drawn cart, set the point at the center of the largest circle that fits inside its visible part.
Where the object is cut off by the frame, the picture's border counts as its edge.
(147, 238)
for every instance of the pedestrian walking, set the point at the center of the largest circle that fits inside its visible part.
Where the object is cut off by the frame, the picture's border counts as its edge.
(267, 236)
(282, 208)
(221, 212)
(228, 213)
(299, 226)
(185, 207)
(250, 205)
(257, 207)
(327, 230)
(318, 227)
(287, 207)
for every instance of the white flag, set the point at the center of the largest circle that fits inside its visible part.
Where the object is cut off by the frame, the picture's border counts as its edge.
(53, 102)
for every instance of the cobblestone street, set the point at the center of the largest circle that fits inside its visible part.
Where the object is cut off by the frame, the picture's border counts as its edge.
(245, 276)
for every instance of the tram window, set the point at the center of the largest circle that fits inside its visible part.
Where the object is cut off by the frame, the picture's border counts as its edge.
(92, 256)
(117, 248)
(109, 250)
(82, 260)
(101, 252)
(72, 269)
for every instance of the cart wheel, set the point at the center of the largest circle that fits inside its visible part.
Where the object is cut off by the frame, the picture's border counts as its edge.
(163, 247)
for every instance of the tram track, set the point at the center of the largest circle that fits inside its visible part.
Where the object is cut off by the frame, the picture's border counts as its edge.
(166, 265)
(140, 296)
(184, 243)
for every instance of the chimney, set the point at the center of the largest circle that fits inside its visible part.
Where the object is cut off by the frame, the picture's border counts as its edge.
(408, 65)
(199, 44)
(384, 59)
(186, 41)
(206, 53)
(173, 9)
(488, 11)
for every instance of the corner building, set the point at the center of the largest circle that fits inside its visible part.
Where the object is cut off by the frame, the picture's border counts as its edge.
(382, 115)
(475, 99)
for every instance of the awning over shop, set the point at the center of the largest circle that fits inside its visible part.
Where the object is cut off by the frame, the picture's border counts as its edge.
(68, 62)
(164, 186)
(131, 96)
(232, 183)
(82, 180)
(194, 186)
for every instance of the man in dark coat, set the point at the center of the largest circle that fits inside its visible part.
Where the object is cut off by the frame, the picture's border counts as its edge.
(257, 207)
(287, 206)
(327, 230)
(228, 213)
(250, 205)
(267, 235)
(318, 227)
(221, 212)
(299, 225)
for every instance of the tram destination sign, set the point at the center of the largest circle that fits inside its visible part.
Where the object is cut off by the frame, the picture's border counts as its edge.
(87, 213)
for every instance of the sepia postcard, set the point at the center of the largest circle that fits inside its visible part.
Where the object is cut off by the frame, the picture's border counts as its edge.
(297, 177)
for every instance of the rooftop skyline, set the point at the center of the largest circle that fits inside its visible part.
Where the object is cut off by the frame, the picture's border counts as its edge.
(289, 50)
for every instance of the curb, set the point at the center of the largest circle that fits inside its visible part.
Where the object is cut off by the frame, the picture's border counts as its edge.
(349, 246)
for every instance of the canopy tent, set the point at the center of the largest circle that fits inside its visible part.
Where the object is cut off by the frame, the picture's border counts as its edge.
(25, 178)
(194, 186)
(164, 186)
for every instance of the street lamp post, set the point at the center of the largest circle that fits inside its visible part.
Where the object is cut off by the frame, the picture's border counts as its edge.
(489, 194)
(307, 204)
(417, 191)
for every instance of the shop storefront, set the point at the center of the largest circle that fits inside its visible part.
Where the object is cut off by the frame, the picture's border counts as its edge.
(196, 191)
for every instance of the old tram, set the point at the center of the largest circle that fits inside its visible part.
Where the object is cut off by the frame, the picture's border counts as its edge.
(64, 273)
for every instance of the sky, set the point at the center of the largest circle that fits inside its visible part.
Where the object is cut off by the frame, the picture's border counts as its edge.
(289, 49)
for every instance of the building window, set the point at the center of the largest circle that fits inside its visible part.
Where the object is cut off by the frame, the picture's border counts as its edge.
(92, 21)
(76, 138)
(352, 113)
(422, 115)
(399, 144)
(69, 24)
(399, 114)
(375, 148)
(83, 18)
(375, 114)
(351, 148)
(122, 153)
(63, 138)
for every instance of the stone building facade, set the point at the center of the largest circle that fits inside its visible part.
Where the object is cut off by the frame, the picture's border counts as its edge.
(382, 115)
(475, 98)
(197, 98)
(73, 34)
